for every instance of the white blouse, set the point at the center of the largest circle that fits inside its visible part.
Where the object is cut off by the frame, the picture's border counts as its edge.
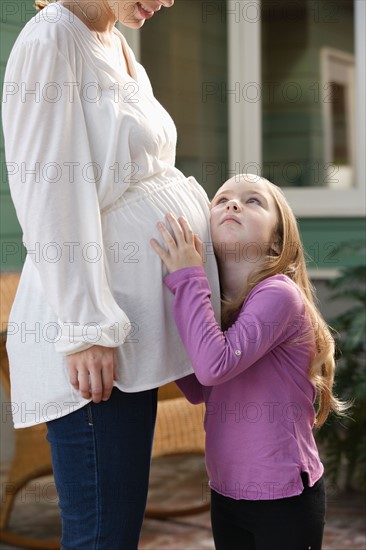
(90, 154)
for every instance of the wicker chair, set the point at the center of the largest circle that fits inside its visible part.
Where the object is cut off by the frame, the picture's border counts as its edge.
(179, 430)
(32, 454)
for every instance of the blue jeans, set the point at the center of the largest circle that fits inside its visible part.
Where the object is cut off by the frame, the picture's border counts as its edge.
(101, 460)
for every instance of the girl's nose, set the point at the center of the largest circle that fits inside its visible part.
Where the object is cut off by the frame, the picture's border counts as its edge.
(166, 3)
(233, 205)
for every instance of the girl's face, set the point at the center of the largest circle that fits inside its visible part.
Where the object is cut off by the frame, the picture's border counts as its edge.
(243, 214)
(133, 14)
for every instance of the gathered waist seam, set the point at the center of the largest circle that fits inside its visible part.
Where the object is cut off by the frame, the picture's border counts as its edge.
(142, 194)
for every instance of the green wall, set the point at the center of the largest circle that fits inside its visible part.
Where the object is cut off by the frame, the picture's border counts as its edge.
(321, 236)
(14, 15)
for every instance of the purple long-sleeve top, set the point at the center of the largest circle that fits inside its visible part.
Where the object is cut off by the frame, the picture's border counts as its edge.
(254, 381)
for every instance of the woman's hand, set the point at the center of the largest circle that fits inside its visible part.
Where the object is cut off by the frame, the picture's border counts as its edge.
(92, 372)
(184, 249)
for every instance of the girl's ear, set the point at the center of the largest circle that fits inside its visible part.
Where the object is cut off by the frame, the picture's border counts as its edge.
(275, 249)
(275, 246)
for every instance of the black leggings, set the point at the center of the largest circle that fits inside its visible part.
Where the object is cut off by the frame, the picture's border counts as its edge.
(293, 523)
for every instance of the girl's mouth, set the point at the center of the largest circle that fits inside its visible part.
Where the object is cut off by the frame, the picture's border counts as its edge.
(231, 219)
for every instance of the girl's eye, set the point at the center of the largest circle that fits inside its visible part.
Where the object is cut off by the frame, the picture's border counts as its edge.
(223, 199)
(254, 200)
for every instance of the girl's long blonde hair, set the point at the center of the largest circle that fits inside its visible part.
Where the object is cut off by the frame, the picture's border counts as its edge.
(290, 261)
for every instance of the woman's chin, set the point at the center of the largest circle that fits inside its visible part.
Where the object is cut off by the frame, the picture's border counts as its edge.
(137, 24)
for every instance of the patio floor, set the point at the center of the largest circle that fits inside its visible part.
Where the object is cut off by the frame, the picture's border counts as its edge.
(177, 482)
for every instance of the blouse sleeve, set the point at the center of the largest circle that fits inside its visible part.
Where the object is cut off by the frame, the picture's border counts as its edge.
(54, 191)
(272, 314)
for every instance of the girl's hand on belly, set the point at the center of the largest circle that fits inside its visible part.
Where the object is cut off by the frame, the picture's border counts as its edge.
(92, 372)
(184, 249)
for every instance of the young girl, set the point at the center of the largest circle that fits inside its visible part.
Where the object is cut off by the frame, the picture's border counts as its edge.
(258, 375)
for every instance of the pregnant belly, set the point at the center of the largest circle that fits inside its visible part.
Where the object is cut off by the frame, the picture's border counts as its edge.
(133, 268)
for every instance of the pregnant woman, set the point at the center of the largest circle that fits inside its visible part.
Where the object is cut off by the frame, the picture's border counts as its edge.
(91, 156)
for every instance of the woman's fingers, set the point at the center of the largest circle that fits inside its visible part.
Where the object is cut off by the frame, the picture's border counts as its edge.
(101, 373)
(73, 375)
(92, 372)
(83, 377)
(107, 381)
(96, 384)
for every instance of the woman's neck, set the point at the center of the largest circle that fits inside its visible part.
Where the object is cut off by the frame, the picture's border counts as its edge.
(96, 16)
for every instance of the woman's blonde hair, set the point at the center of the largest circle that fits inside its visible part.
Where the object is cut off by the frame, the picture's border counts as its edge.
(289, 260)
(40, 4)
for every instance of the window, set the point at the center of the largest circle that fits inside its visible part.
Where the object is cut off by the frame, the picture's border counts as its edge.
(338, 92)
(300, 122)
(311, 107)
(184, 51)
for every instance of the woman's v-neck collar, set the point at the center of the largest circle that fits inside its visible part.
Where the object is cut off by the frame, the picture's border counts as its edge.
(131, 69)
(90, 35)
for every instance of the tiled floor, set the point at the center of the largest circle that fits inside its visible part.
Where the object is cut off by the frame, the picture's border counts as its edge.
(174, 484)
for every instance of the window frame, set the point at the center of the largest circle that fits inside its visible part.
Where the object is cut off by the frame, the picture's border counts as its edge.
(339, 67)
(245, 117)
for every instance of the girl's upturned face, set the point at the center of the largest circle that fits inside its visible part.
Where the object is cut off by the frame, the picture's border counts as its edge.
(133, 14)
(243, 214)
